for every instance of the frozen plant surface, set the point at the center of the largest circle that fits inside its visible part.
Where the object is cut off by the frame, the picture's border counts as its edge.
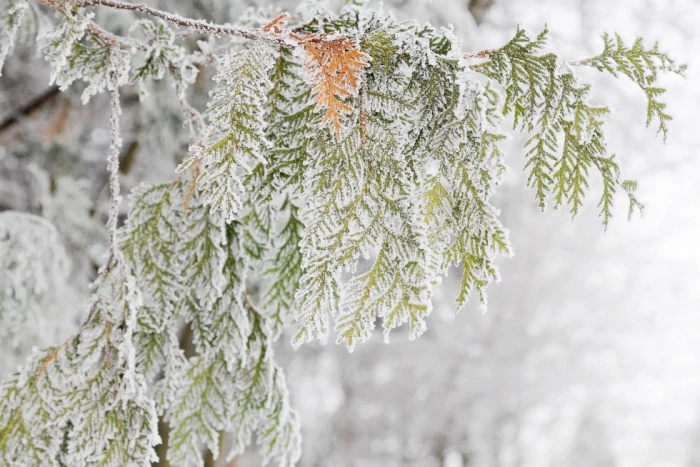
(344, 162)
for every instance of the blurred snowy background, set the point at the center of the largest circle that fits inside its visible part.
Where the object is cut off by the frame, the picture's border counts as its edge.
(589, 353)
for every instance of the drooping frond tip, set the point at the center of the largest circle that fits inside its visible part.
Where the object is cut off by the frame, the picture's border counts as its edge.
(640, 63)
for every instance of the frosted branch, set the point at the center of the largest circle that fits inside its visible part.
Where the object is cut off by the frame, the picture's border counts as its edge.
(198, 24)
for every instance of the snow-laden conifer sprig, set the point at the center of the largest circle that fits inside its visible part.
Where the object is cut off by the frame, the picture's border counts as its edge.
(72, 58)
(160, 55)
(283, 268)
(408, 151)
(78, 403)
(150, 241)
(102, 409)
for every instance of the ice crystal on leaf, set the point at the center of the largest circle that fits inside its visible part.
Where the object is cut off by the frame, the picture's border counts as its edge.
(343, 165)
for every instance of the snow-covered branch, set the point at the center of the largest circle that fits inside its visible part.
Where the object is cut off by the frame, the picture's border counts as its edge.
(201, 26)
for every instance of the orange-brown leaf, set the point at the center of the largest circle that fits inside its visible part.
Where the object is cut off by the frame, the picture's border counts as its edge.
(335, 67)
(277, 24)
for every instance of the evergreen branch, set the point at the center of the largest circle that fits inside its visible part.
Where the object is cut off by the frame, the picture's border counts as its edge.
(567, 133)
(334, 63)
(65, 7)
(642, 65)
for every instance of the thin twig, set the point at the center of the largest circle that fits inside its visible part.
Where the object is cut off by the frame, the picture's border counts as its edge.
(94, 306)
(114, 41)
(52, 356)
(66, 7)
(113, 168)
(198, 24)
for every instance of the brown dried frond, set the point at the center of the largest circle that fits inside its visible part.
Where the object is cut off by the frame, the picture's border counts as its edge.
(52, 356)
(277, 24)
(251, 308)
(335, 67)
(191, 180)
(192, 187)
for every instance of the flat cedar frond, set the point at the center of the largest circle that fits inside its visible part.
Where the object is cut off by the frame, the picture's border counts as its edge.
(335, 67)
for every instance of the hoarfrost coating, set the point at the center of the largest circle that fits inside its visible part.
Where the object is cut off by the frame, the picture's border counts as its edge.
(344, 163)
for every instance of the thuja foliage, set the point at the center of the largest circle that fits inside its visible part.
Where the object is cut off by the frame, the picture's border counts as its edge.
(343, 165)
